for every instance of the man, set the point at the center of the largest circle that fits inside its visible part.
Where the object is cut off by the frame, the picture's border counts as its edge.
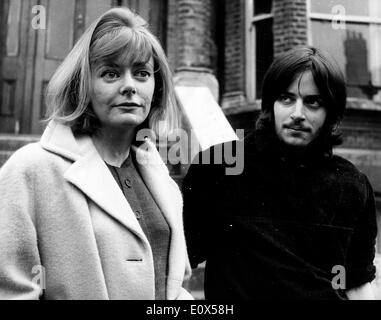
(299, 222)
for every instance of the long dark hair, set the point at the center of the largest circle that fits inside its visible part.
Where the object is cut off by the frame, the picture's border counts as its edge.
(328, 79)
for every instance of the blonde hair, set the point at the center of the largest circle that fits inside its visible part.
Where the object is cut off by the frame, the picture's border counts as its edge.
(117, 34)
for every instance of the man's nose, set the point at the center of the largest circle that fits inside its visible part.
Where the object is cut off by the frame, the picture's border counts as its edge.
(128, 84)
(298, 111)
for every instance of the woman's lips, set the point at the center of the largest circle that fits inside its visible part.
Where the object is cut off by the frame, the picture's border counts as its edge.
(127, 105)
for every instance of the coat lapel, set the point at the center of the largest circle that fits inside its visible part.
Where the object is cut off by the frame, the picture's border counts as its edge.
(91, 175)
(168, 197)
(155, 174)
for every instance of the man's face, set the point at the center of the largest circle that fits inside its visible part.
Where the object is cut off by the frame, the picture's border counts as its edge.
(299, 112)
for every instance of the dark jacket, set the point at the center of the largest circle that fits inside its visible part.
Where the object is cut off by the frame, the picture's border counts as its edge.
(277, 230)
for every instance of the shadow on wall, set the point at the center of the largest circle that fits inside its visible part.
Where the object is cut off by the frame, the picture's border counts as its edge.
(358, 75)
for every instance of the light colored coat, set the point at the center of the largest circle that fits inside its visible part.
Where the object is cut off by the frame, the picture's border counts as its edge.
(60, 208)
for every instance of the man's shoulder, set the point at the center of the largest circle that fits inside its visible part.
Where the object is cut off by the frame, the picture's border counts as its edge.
(344, 164)
(347, 171)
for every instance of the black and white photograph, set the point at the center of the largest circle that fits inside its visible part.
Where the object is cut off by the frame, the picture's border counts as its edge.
(216, 152)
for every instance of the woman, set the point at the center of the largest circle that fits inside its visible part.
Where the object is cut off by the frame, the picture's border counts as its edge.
(81, 216)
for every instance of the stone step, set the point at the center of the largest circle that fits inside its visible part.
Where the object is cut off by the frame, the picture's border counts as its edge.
(10, 143)
(4, 156)
(14, 142)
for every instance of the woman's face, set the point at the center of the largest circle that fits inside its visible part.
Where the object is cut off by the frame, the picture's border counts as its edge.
(121, 95)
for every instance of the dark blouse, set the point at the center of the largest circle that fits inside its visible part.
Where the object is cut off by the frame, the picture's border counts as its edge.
(150, 217)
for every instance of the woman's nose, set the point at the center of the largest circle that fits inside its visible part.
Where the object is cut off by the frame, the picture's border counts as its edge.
(298, 111)
(128, 84)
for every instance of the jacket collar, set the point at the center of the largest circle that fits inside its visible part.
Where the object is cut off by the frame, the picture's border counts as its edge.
(59, 139)
(269, 146)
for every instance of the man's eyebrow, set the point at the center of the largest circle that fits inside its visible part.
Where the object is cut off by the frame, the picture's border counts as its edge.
(288, 93)
(318, 96)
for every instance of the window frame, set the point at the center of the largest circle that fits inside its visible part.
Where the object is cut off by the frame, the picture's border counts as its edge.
(329, 17)
(250, 55)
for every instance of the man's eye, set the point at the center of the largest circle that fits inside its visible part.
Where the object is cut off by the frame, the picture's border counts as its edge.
(285, 99)
(314, 103)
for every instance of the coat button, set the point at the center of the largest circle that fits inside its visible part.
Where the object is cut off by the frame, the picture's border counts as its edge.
(138, 214)
(128, 183)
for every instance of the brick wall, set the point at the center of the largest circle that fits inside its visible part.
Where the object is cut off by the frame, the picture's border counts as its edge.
(290, 24)
(361, 129)
(190, 42)
(234, 75)
(171, 40)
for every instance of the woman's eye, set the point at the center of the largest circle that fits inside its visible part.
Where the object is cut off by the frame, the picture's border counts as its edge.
(109, 75)
(142, 74)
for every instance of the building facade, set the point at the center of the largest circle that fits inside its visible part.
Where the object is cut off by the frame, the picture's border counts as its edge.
(225, 45)
(232, 47)
(348, 30)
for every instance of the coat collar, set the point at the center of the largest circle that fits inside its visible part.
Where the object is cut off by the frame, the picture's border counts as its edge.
(268, 145)
(90, 174)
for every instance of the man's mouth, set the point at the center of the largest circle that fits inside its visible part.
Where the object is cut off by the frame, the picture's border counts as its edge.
(297, 128)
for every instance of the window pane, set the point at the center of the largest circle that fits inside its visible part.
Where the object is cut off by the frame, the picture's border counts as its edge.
(357, 50)
(262, 6)
(352, 7)
(264, 51)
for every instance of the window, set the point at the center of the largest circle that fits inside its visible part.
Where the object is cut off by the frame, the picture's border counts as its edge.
(351, 32)
(153, 11)
(259, 45)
